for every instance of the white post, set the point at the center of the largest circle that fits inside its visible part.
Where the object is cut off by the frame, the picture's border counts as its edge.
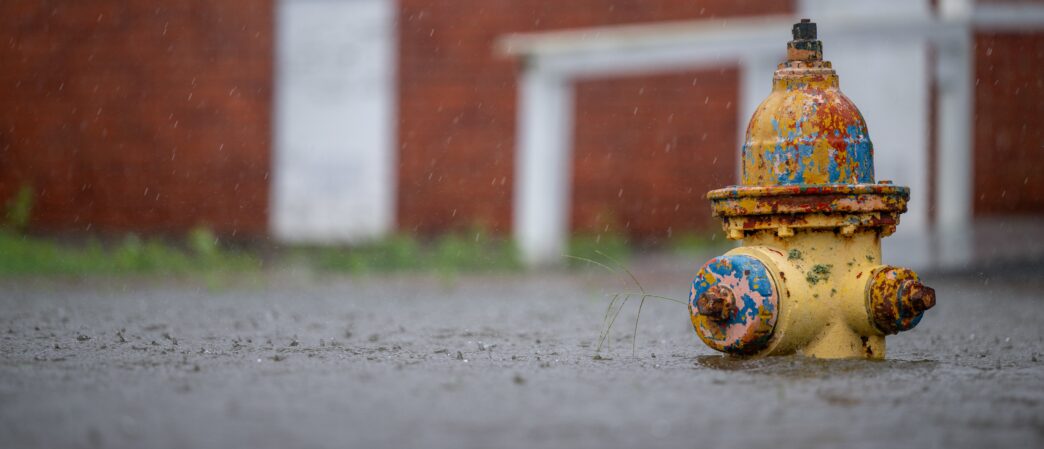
(543, 161)
(954, 176)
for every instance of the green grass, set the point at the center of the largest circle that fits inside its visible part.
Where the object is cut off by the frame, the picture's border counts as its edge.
(21, 254)
(200, 252)
(458, 252)
(475, 250)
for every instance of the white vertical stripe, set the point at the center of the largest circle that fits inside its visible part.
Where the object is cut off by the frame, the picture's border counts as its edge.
(334, 162)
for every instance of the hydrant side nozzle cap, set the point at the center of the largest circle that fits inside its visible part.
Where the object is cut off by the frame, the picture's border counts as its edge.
(734, 304)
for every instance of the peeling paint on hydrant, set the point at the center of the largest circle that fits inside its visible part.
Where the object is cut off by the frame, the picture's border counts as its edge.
(808, 278)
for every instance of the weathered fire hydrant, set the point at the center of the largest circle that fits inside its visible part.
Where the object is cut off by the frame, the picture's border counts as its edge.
(808, 278)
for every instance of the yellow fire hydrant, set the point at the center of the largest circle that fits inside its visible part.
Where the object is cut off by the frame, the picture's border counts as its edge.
(808, 278)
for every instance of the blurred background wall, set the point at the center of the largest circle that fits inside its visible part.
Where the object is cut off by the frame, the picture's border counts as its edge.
(345, 120)
(145, 116)
(637, 138)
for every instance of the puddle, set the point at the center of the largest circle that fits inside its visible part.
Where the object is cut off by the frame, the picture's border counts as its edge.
(796, 366)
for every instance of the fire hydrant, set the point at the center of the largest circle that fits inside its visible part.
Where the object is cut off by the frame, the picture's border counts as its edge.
(808, 277)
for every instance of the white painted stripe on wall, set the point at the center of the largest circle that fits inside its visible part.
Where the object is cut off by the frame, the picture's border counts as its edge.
(334, 120)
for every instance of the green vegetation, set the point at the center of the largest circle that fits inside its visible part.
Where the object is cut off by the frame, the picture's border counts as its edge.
(200, 252)
(473, 251)
(24, 255)
(18, 209)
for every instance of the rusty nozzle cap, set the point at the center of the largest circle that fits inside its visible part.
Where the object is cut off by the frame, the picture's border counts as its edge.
(920, 297)
(716, 303)
(897, 299)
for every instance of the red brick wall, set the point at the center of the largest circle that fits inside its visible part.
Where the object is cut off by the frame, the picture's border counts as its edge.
(144, 115)
(1009, 124)
(649, 148)
(456, 126)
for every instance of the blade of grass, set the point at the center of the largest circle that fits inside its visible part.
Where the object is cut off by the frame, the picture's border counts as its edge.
(590, 261)
(604, 335)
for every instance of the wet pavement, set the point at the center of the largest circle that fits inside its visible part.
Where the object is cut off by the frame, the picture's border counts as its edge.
(489, 361)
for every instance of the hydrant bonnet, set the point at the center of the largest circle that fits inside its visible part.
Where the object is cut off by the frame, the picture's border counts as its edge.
(807, 132)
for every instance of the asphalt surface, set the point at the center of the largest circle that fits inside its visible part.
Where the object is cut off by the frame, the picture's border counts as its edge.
(489, 361)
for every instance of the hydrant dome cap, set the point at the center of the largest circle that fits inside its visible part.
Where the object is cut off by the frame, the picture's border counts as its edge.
(807, 132)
